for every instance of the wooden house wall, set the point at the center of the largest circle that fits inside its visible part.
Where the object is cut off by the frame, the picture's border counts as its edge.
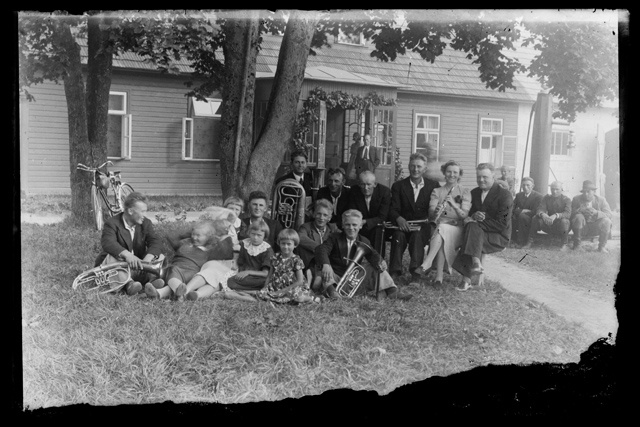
(157, 104)
(459, 128)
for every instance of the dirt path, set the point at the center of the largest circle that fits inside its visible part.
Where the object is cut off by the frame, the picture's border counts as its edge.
(594, 314)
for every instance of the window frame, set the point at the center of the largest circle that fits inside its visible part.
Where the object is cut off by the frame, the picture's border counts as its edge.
(498, 153)
(426, 131)
(126, 126)
(564, 144)
(337, 40)
(188, 125)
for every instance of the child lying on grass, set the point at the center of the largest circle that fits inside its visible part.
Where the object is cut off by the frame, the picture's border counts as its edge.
(208, 241)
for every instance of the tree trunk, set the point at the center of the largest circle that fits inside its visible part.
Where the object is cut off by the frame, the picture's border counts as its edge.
(283, 103)
(99, 65)
(79, 150)
(238, 92)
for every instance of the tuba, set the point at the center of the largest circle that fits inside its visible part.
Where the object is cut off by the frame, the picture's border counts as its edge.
(113, 277)
(355, 273)
(289, 200)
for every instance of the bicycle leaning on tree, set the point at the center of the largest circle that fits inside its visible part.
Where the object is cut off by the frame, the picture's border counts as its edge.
(108, 192)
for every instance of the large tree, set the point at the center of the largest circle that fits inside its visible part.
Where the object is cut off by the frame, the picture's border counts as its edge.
(577, 61)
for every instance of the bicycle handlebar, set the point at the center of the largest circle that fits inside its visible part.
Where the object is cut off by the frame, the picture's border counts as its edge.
(88, 169)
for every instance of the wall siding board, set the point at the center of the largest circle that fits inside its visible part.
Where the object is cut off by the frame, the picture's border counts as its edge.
(157, 104)
(458, 127)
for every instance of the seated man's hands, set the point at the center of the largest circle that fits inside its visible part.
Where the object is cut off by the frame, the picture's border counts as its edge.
(478, 216)
(402, 224)
(133, 261)
(548, 220)
(327, 273)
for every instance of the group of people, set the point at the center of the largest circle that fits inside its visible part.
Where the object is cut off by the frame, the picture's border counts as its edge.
(247, 256)
(587, 214)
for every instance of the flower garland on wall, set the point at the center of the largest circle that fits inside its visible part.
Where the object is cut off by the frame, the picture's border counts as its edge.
(341, 99)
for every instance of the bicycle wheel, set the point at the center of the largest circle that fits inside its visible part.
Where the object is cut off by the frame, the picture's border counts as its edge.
(96, 203)
(125, 190)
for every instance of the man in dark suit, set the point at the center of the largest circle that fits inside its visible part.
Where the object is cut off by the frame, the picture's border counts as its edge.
(373, 200)
(333, 257)
(410, 202)
(367, 158)
(298, 168)
(487, 229)
(524, 209)
(129, 236)
(337, 193)
(258, 202)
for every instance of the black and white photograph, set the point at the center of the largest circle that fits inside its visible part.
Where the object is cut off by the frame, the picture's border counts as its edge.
(260, 213)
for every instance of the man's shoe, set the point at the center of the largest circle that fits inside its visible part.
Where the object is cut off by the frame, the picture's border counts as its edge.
(331, 293)
(158, 283)
(392, 293)
(564, 248)
(151, 291)
(133, 288)
(464, 286)
(603, 250)
(419, 271)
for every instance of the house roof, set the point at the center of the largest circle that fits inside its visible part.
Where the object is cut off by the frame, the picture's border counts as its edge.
(451, 74)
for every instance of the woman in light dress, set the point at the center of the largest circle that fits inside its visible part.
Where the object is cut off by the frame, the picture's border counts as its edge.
(448, 207)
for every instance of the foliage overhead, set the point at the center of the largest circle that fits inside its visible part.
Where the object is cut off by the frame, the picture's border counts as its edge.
(576, 60)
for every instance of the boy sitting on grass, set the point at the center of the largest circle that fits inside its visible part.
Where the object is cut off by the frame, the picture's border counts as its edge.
(208, 240)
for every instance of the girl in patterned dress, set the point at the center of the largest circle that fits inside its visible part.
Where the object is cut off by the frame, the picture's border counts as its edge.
(286, 282)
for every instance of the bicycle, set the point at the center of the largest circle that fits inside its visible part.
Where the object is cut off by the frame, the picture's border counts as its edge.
(108, 192)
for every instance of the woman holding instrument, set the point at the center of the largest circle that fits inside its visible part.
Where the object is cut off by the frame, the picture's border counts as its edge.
(448, 207)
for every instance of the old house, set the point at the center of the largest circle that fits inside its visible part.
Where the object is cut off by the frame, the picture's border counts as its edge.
(161, 140)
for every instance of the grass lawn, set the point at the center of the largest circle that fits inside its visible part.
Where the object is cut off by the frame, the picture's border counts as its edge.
(114, 349)
(587, 270)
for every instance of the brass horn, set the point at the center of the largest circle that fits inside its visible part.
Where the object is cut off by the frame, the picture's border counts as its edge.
(114, 276)
(289, 201)
(355, 273)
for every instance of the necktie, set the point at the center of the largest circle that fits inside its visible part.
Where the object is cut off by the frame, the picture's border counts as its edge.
(365, 153)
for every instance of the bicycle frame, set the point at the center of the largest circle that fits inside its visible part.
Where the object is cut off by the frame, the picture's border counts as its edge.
(101, 182)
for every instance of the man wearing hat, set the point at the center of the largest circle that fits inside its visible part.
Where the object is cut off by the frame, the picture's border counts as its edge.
(552, 216)
(590, 215)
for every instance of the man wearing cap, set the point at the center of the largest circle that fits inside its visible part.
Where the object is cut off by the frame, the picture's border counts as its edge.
(524, 208)
(590, 215)
(552, 216)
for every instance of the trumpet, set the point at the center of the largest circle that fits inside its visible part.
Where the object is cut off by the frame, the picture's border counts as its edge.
(114, 276)
(289, 200)
(415, 225)
(355, 273)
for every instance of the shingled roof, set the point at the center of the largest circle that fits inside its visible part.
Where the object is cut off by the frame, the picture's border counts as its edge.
(451, 74)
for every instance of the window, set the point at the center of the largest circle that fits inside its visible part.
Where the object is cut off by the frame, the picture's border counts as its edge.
(560, 142)
(426, 135)
(201, 130)
(490, 144)
(355, 39)
(118, 127)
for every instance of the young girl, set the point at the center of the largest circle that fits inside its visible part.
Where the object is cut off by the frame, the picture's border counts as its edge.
(254, 259)
(205, 243)
(286, 282)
